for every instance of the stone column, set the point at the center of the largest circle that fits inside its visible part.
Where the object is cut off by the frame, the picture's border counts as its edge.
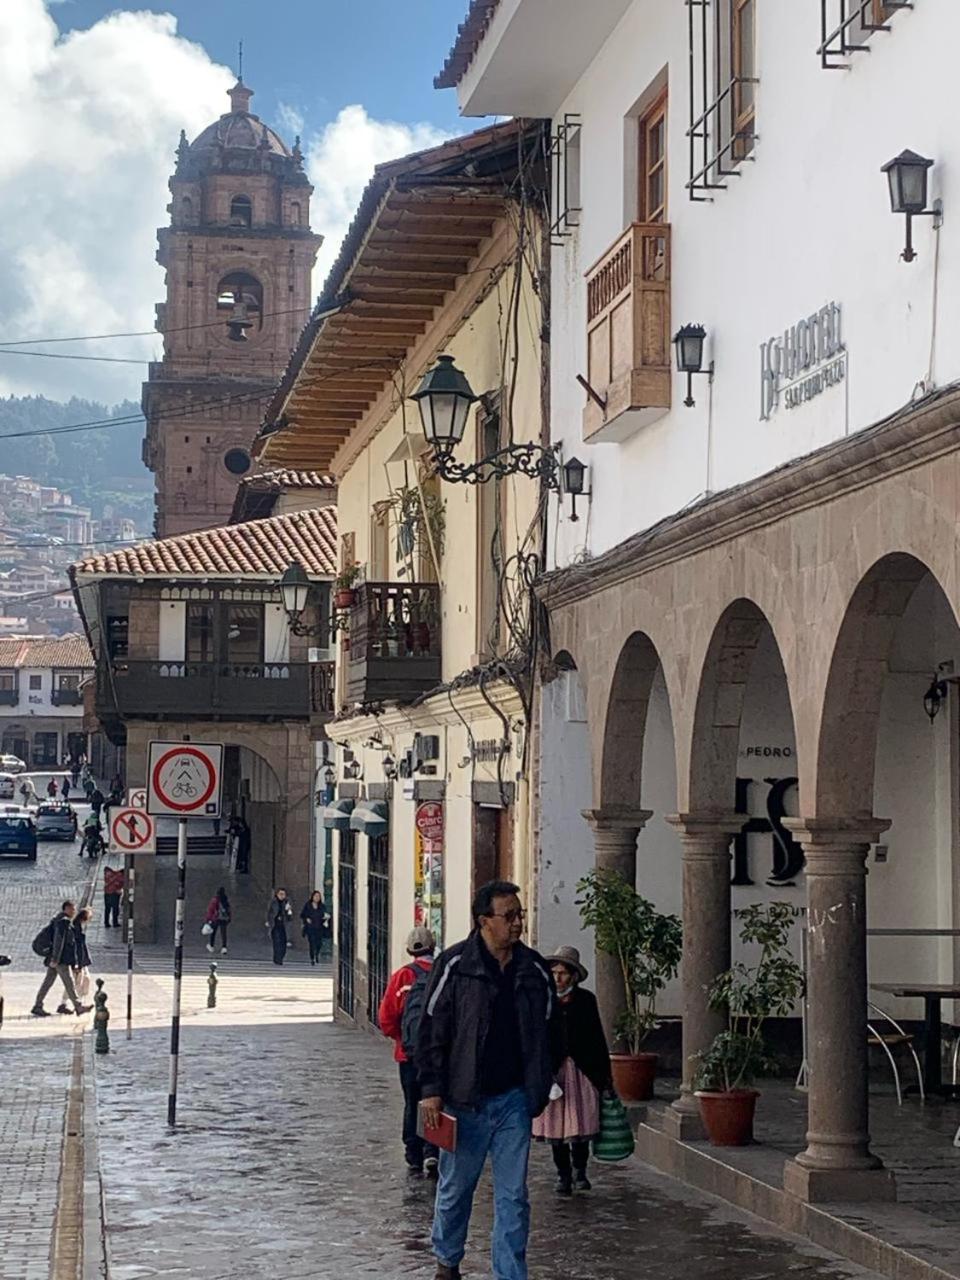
(705, 838)
(615, 832)
(837, 1163)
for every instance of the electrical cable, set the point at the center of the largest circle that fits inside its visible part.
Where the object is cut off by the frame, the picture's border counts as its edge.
(141, 333)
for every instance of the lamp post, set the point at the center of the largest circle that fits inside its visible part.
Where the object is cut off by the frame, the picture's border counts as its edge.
(907, 180)
(296, 591)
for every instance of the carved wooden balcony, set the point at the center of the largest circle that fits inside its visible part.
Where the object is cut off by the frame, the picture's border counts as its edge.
(628, 334)
(394, 642)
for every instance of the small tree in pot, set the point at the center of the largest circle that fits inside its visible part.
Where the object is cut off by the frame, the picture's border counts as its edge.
(648, 945)
(749, 994)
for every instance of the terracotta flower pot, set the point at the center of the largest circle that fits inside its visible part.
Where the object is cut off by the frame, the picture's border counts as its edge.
(633, 1075)
(728, 1116)
(345, 598)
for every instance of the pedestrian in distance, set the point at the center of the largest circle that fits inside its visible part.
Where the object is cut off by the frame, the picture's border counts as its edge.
(74, 775)
(97, 800)
(218, 916)
(399, 1017)
(488, 1051)
(92, 842)
(52, 789)
(81, 970)
(313, 915)
(572, 1116)
(65, 789)
(89, 786)
(113, 885)
(279, 915)
(57, 943)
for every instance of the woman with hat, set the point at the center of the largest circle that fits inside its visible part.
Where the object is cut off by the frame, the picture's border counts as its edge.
(572, 1116)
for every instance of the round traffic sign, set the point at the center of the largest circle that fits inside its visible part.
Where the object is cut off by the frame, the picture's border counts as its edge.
(130, 829)
(184, 779)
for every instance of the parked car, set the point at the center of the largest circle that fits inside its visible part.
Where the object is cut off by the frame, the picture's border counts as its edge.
(12, 764)
(18, 833)
(8, 786)
(56, 822)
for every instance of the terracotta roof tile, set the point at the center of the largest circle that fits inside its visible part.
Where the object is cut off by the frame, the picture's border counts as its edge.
(469, 34)
(257, 547)
(286, 478)
(45, 651)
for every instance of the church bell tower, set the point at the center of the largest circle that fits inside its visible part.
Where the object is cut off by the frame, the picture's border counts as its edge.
(238, 249)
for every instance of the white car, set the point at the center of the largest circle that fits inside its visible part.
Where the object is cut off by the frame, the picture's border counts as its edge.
(12, 764)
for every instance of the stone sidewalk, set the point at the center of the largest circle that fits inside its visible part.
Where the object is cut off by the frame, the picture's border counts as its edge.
(286, 1161)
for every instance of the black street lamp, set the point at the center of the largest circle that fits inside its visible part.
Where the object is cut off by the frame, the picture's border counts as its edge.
(907, 179)
(295, 591)
(688, 342)
(574, 477)
(935, 696)
(444, 399)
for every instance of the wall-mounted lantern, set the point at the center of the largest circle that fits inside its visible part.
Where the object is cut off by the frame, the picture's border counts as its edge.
(907, 178)
(688, 342)
(936, 695)
(296, 590)
(574, 473)
(389, 768)
(444, 398)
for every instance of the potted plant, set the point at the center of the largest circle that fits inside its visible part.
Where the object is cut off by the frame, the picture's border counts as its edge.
(749, 994)
(648, 945)
(344, 594)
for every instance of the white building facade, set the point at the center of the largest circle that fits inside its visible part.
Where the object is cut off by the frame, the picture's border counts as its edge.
(41, 701)
(762, 585)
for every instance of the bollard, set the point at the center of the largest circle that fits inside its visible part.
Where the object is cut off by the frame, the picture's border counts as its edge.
(212, 986)
(100, 1019)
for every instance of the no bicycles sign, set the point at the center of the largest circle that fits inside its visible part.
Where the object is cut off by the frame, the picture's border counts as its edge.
(183, 779)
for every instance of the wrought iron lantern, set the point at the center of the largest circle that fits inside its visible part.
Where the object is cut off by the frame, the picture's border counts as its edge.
(444, 399)
(935, 696)
(688, 342)
(389, 768)
(907, 179)
(295, 591)
(574, 480)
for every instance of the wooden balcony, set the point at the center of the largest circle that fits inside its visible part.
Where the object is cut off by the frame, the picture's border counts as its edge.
(628, 334)
(9, 697)
(394, 642)
(66, 697)
(131, 689)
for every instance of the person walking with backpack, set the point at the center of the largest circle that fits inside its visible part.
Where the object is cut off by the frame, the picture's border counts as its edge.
(218, 916)
(57, 943)
(399, 1017)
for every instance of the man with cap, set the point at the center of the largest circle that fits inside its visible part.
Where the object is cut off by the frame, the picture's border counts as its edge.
(399, 1018)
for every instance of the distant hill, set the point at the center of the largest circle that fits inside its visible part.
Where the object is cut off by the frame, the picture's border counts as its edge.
(100, 468)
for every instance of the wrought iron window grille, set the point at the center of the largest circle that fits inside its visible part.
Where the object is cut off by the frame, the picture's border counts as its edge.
(565, 178)
(719, 139)
(845, 26)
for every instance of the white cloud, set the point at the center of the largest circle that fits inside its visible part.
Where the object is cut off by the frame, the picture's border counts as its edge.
(91, 122)
(340, 162)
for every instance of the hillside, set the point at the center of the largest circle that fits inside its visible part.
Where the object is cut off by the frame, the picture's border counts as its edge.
(100, 467)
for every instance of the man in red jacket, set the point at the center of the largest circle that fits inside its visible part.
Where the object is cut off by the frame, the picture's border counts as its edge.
(113, 881)
(421, 1156)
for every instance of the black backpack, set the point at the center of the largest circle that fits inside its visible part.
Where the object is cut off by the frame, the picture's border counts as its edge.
(43, 942)
(413, 1008)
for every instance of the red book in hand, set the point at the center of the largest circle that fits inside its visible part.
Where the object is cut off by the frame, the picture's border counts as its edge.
(443, 1136)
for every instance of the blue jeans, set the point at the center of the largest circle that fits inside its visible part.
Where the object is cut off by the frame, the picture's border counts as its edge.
(500, 1126)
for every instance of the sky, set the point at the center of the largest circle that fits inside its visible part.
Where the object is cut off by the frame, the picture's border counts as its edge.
(93, 96)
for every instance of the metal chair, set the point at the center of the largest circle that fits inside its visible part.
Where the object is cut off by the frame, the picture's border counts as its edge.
(887, 1041)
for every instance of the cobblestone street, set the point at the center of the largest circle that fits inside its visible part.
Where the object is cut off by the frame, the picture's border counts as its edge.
(286, 1159)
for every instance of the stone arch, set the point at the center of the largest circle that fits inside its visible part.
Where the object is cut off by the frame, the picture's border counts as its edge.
(718, 713)
(859, 663)
(621, 764)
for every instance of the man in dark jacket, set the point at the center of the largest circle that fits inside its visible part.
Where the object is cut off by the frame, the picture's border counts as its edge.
(487, 1054)
(60, 961)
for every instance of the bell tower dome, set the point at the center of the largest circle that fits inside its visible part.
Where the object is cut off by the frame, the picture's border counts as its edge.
(239, 247)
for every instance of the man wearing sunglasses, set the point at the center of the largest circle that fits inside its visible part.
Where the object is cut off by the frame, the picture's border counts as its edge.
(487, 1053)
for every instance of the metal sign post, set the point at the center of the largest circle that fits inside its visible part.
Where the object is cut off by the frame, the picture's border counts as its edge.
(177, 970)
(183, 781)
(128, 866)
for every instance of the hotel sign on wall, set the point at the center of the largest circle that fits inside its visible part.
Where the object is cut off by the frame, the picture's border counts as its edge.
(803, 362)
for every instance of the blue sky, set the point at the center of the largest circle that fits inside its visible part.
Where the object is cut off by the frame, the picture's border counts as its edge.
(319, 56)
(94, 96)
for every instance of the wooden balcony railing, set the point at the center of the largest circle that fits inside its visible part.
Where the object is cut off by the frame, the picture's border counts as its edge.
(322, 688)
(394, 641)
(628, 333)
(204, 690)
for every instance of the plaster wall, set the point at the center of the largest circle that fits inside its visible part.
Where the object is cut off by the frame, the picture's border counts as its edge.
(749, 263)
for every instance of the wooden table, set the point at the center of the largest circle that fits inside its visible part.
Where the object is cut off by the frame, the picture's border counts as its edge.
(931, 993)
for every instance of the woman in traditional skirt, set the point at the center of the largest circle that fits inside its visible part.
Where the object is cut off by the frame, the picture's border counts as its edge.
(572, 1116)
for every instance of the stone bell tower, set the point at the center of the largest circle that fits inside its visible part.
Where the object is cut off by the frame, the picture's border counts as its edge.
(238, 246)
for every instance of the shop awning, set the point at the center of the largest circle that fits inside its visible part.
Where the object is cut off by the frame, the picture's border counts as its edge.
(336, 815)
(371, 818)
